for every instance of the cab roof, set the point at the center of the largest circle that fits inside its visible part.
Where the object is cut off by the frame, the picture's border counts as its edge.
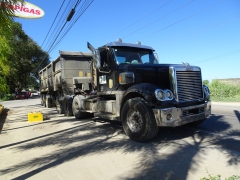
(121, 44)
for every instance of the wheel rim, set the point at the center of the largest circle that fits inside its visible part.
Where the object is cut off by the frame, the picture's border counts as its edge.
(134, 120)
(76, 106)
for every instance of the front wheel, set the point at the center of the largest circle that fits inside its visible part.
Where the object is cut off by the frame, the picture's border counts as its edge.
(138, 120)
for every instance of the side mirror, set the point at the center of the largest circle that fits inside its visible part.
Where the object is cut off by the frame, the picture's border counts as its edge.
(96, 55)
(156, 56)
(206, 93)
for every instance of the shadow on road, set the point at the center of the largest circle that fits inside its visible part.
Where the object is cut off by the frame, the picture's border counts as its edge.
(237, 114)
(155, 161)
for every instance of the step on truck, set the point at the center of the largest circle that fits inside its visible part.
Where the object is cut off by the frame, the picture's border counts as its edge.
(126, 82)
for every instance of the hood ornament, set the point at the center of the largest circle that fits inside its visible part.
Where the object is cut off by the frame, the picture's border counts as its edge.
(185, 63)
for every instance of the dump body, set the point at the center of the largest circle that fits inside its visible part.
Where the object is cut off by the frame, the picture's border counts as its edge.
(58, 75)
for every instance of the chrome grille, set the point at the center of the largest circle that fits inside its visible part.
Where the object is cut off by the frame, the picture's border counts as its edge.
(189, 85)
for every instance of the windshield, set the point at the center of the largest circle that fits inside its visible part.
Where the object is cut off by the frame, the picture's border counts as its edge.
(134, 56)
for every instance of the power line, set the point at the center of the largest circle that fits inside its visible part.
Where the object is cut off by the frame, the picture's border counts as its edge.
(68, 19)
(57, 37)
(69, 26)
(184, 19)
(219, 56)
(58, 25)
(182, 38)
(232, 20)
(65, 17)
(53, 22)
(77, 3)
(213, 20)
(216, 18)
(159, 18)
(139, 20)
(79, 14)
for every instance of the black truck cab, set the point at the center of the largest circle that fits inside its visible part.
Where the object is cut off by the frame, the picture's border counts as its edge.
(131, 86)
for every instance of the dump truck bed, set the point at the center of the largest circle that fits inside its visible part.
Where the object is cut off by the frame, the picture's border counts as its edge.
(58, 75)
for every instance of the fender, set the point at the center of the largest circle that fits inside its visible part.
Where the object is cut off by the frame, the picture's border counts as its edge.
(147, 92)
(143, 90)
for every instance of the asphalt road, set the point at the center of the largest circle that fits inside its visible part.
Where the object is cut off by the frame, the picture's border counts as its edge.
(21, 102)
(65, 148)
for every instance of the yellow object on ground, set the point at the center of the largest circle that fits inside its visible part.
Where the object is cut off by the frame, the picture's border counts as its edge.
(1, 109)
(35, 117)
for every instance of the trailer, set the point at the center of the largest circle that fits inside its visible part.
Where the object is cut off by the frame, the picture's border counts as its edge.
(126, 82)
(57, 86)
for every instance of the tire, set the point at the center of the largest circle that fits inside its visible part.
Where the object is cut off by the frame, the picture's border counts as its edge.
(196, 123)
(59, 107)
(77, 106)
(143, 127)
(53, 98)
(44, 100)
(41, 99)
(67, 105)
(48, 102)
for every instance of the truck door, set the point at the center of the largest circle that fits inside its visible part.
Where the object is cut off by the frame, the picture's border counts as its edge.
(104, 64)
(107, 71)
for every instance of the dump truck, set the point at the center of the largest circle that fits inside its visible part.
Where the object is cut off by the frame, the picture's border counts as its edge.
(128, 83)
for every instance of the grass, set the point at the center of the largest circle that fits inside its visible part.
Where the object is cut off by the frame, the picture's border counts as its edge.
(230, 99)
(7, 97)
(223, 92)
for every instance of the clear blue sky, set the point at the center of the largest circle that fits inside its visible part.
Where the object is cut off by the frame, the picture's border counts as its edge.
(204, 33)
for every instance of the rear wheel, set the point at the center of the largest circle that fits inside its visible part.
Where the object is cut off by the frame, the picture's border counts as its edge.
(59, 107)
(77, 106)
(53, 98)
(41, 99)
(138, 120)
(48, 102)
(44, 100)
(67, 105)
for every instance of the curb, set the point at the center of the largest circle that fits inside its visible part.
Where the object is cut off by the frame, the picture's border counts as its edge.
(1, 109)
(227, 103)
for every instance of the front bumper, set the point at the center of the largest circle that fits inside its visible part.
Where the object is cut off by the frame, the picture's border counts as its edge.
(178, 116)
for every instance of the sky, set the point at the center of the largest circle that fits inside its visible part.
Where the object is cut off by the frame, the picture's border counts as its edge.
(204, 33)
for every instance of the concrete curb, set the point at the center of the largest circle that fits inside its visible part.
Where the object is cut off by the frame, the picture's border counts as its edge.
(227, 103)
(1, 109)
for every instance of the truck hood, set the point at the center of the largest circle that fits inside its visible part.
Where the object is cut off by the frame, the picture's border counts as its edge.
(157, 74)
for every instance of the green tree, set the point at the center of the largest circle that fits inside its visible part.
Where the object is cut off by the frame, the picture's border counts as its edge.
(6, 18)
(20, 56)
(4, 65)
(26, 59)
(7, 12)
(206, 82)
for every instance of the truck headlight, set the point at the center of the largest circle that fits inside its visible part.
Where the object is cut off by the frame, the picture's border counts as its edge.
(169, 94)
(159, 94)
(163, 95)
